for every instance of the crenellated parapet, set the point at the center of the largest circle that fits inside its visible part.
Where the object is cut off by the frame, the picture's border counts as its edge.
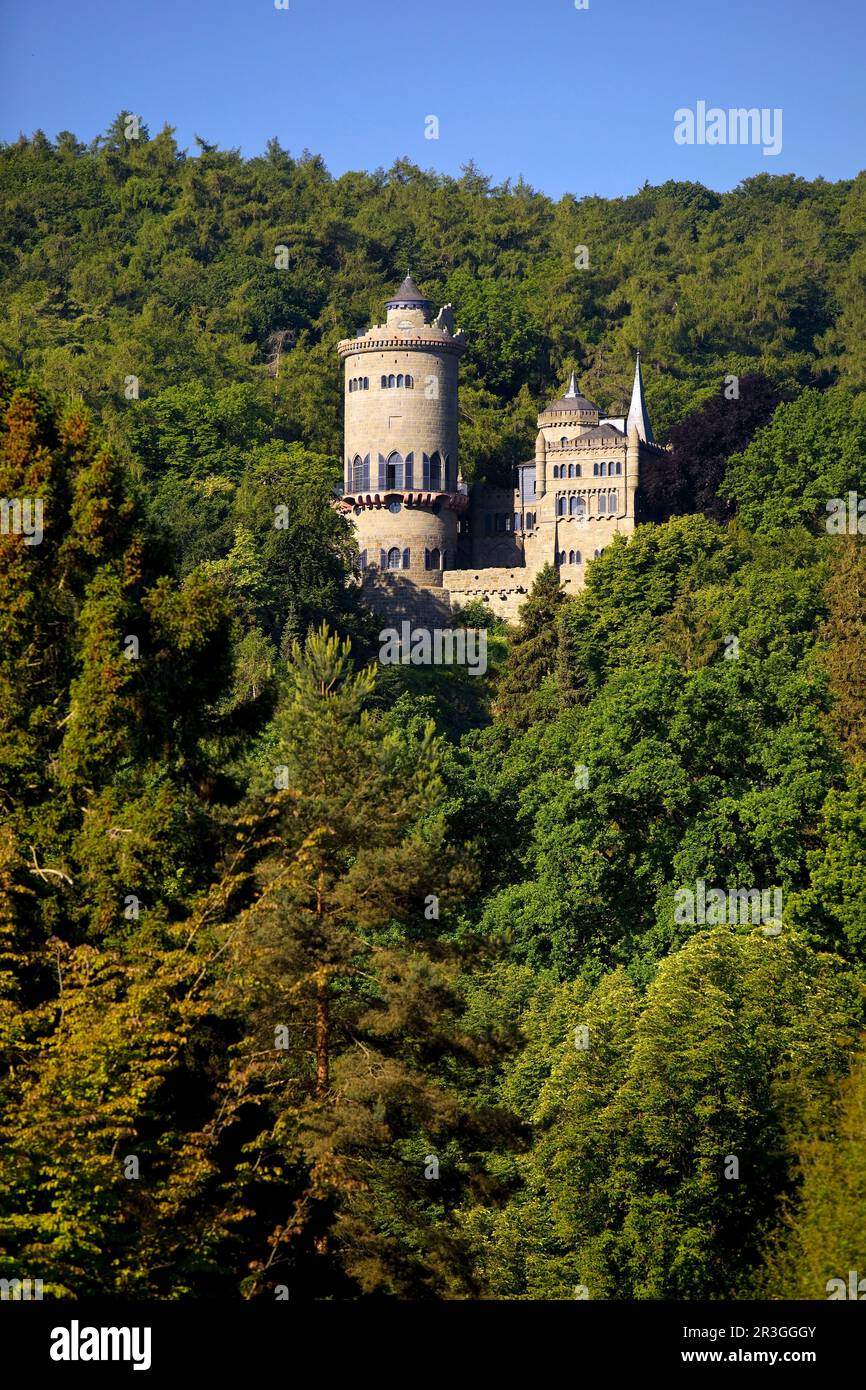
(383, 340)
(415, 529)
(452, 501)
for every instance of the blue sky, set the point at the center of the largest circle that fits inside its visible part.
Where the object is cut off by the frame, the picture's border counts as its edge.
(578, 101)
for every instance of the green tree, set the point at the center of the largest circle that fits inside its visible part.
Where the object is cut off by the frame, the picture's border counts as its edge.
(823, 1239)
(526, 688)
(667, 1133)
(343, 954)
(811, 452)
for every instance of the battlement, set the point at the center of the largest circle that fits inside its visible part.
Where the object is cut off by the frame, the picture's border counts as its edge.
(414, 527)
(384, 340)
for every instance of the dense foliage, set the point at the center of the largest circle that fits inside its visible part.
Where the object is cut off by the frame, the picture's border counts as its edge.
(334, 980)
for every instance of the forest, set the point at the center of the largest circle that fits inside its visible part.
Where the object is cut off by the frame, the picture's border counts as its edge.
(325, 979)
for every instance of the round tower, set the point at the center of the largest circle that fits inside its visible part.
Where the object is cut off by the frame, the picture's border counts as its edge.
(401, 483)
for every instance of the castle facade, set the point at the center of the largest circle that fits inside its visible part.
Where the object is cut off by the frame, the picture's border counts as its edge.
(427, 543)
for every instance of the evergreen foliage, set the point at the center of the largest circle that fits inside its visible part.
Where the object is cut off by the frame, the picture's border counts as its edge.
(371, 981)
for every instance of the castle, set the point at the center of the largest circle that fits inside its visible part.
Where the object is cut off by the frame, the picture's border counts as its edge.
(427, 544)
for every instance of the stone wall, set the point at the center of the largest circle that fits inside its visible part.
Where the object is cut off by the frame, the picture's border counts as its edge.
(398, 600)
(503, 590)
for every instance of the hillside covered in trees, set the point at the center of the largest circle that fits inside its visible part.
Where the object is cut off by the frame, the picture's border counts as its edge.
(339, 979)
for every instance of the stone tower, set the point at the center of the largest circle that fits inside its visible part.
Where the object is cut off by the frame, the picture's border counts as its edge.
(402, 484)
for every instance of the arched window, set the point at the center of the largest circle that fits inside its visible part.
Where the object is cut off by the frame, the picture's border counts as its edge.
(436, 471)
(391, 379)
(393, 558)
(564, 440)
(366, 383)
(602, 504)
(612, 503)
(351, 385)
(357, 473)
(595, 470)
(407, 558)
(571, 470)
(432, 558)
(517, 521)
(571, 557)
(362, 560)
(577, 559)
(562, 557)
(384, 382)
(400, 379)
(560, 506)
(410, 382)
(577, 470)
(577, 506)
(394, 471)
(596, 554)
(530, 521)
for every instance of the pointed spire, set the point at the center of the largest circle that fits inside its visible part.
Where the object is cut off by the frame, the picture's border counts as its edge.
(638, 415)
(572, 400)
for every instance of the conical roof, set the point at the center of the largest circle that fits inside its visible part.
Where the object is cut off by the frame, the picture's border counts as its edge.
(637, 412)
(408, 296)
(572, 400)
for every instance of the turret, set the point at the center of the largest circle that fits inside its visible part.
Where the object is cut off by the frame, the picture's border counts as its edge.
(540, 464)
(638, 415)
(400, 440)
(639, 432)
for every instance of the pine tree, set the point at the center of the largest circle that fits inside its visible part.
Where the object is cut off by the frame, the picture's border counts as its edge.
(110, 675)
(525, 693)
(342, 961)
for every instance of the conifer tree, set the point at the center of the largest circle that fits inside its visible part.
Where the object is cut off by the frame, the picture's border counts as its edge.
(344, 963)
(106, 841)
(525, 692)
